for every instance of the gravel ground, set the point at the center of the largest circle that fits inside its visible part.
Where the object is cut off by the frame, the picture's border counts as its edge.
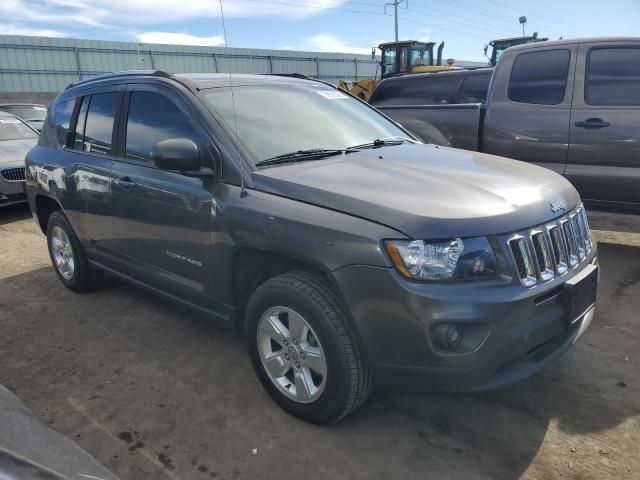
(154, 391)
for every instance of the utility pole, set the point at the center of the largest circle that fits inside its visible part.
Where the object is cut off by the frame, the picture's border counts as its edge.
(395, 11)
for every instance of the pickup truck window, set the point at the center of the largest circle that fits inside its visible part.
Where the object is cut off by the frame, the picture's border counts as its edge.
(62, 118)
(274, 120)
(539, 77)
(474, 89)
(153, 118)
(613, 77)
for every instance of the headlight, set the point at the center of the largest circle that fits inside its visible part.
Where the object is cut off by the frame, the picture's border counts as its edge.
(456, 259)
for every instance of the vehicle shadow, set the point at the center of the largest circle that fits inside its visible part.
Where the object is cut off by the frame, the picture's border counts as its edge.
(13, 213)
(148, 387)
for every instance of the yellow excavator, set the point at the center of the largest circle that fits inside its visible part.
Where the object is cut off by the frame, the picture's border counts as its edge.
(400, 58)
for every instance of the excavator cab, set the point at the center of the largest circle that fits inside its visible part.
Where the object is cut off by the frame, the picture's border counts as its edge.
(499, 46)
(409, 56)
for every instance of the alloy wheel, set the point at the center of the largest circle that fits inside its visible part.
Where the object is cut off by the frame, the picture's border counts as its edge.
(62, 253)
(291, 354)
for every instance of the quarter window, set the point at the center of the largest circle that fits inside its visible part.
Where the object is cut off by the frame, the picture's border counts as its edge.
(62, 118)
(613, 77)
(99, 125)
(540, 77)
(78, 136)
(153, 118)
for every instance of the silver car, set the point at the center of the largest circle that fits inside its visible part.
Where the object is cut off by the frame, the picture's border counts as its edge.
(16, 139)
(32, 113)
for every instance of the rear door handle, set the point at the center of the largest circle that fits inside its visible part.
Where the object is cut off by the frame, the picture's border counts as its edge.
(592, 123)
(126, 183)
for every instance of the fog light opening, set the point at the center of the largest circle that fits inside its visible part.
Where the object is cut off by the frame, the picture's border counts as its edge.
(448, 336)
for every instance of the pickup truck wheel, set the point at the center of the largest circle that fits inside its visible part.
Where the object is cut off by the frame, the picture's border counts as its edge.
(304, 350)
(68, 257)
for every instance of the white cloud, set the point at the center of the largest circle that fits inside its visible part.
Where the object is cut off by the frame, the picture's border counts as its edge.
(9, 29)
(180, 39)
(326, 42)
(121, 13)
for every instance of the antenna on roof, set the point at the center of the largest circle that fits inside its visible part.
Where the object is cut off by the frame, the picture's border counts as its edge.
(233, 100)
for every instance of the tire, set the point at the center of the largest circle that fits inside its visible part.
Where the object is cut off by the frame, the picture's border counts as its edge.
(80, 277)
(347, 381)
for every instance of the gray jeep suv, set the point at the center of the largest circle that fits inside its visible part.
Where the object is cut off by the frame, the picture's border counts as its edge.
(344, 248)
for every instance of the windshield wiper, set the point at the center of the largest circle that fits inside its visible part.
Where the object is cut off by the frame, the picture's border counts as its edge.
(300, 155)
(384, 142)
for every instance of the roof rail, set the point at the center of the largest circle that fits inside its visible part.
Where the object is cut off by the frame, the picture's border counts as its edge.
(292, 75)
(125, 73)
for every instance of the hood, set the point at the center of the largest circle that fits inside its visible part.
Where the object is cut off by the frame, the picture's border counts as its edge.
(424, 191)
(14, 151)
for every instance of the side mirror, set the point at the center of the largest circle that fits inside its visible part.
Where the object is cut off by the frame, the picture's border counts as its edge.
(179, 154)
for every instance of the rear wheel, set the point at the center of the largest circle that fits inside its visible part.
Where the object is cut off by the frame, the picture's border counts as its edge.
(68, 257)
(304, 350)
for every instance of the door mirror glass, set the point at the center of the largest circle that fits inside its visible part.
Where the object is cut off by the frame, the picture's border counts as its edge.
(181, 154)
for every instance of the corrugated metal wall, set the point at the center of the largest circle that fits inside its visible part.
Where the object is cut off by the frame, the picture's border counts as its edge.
(40, 64)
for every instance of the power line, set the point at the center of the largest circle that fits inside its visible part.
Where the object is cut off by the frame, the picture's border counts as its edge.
(301, 5)
(484, 13)
(546, 19)
(439, 27)
(498, 30)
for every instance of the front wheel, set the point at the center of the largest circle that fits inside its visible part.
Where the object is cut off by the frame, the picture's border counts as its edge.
(304, 350)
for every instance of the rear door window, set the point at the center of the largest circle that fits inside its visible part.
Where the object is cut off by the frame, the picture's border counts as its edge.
(540, 77)
(613, 77)
(153, 118)
(98, 131)
(474, 89)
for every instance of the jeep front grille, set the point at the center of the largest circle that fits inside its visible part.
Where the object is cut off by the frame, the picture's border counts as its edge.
(551, 250)
(13, 174)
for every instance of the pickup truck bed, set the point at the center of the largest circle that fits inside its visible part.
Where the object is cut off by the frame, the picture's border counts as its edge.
(457, 126)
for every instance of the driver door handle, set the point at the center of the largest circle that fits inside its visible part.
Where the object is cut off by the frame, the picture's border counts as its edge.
(592, 123)
(126, 183)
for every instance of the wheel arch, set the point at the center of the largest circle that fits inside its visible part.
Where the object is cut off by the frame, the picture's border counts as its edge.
(44, 207)
(251, 267)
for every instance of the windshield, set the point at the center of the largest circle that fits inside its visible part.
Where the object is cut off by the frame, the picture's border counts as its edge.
(30, 113)
(14, 129)
(274, 120)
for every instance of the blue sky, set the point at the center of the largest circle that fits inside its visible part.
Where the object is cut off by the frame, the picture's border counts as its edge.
(318, 25)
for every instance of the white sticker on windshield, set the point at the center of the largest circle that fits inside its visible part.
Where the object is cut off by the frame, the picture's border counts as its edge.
(332, 94)
(40, 108)
(9, 120)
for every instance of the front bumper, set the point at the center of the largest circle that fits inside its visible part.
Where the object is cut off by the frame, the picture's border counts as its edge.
(522, 329)
(12, 192)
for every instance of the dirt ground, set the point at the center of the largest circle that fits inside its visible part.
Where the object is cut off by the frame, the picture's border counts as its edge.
(155, 391)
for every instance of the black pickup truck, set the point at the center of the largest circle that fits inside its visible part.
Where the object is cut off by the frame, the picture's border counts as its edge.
(569, 105)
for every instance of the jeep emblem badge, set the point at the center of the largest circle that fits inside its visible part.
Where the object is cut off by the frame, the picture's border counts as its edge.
(558, 206)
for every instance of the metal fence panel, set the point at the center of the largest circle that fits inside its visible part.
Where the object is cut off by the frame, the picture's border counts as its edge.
(41, 64)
